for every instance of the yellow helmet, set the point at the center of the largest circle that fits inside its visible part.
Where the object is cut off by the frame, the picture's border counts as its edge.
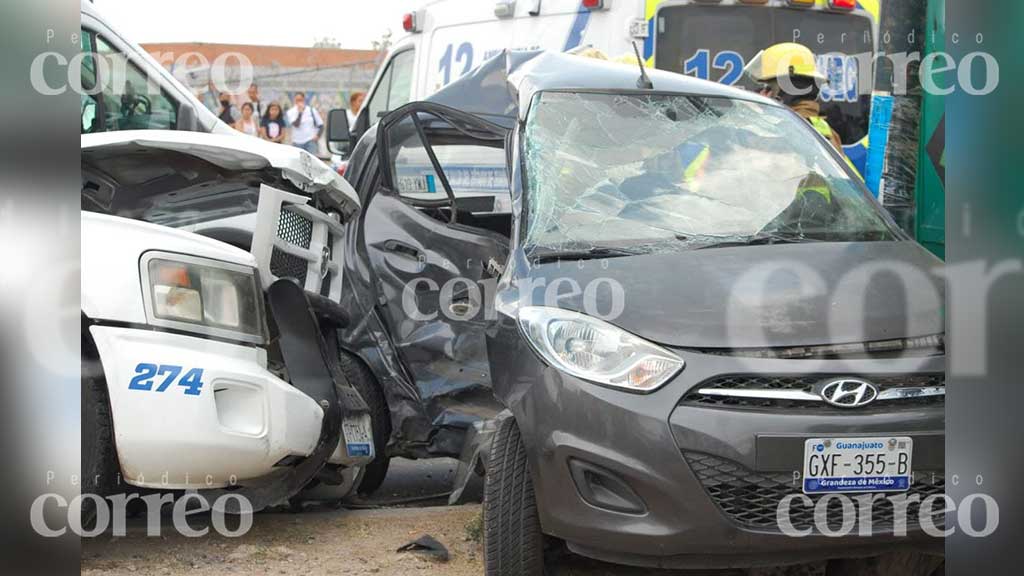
(786, 59)
(588, 52)
(628, 58)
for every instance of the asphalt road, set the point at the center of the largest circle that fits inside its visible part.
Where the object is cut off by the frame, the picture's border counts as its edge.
(417, 482)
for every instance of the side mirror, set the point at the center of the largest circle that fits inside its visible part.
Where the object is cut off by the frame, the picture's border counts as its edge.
(187, 118)
(338, 136)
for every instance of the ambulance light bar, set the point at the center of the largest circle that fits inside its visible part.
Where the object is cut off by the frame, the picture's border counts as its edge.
(842, 4)
(412, 23)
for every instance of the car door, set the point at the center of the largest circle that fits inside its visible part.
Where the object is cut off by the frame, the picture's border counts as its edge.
(435, 259)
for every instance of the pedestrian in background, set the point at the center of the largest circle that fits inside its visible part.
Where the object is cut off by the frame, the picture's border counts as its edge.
(228, 112)
(306, 125)
(258, 108)
(248, 124)
(272, 126)
(355, 104)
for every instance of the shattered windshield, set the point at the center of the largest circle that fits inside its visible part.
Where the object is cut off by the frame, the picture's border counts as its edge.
(655, 172)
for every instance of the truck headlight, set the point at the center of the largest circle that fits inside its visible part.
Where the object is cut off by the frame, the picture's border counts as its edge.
(594, 350)
(205, 296)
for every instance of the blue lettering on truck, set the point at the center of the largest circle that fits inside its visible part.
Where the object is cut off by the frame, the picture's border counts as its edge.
(730, 62)
(462, 56)
(579, 26)
(164, 375)
(840, 70)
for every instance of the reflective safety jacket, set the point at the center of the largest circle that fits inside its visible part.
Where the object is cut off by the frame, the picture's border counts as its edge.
(810, 111)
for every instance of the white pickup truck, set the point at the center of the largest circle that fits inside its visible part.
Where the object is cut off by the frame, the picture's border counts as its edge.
(204, 365)
(211, 277)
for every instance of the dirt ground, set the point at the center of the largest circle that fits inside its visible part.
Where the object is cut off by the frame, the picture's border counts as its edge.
(318, 541)
(323, 540)
(339, 541)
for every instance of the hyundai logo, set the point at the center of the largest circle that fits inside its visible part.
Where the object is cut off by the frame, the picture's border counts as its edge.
(848, 393)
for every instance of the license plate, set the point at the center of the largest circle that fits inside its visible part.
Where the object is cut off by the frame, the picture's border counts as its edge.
(358, 436)
(857, 464)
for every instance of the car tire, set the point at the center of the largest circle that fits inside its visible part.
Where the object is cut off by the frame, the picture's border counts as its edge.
(100, 468)
(360, 377)
(513, 542)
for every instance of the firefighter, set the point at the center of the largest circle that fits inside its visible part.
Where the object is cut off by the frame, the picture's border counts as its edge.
(790, 75)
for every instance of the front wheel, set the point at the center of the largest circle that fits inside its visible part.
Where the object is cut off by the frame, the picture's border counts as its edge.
(360, 377)
(100, 469)
(513, 542)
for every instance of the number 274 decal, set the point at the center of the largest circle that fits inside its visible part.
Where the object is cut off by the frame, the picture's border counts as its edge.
(164, 375)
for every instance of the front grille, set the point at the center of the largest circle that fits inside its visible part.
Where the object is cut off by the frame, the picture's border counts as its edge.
(295, 229)
(284, 265)
(806, 383)
(751, 499)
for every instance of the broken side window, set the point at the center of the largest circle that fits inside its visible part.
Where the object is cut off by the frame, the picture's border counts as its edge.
(437, 162)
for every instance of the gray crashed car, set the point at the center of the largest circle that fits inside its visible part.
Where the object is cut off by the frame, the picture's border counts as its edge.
(669, 324)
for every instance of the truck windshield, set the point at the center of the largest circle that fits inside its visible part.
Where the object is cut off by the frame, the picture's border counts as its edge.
(716, 42)
(654, 172)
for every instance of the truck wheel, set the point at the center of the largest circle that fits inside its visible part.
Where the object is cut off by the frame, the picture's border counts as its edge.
(380, 419)
(513, 542)
(100, 468)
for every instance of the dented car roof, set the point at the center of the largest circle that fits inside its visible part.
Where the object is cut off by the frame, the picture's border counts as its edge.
(502, 88)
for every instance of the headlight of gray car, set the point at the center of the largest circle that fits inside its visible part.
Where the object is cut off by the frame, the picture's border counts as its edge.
(204, 296)
(595, 350)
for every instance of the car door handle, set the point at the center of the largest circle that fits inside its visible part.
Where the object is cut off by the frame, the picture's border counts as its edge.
(403, 249)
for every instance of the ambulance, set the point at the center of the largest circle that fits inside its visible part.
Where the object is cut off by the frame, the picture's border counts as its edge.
(708, 39)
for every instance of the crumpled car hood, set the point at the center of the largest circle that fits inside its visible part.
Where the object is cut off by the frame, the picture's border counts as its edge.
(762, 296)
(236, 152)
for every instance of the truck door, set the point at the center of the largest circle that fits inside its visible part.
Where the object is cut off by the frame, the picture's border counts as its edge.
(130, 101)
(393, 90)
(436, 233)
(124, 88)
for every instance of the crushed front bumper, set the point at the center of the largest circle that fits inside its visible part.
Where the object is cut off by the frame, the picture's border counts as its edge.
(707, 479)
(242, 421)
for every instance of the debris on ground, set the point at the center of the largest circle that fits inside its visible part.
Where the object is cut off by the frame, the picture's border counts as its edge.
(326, 540)
(320, 541)
(428, 547)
